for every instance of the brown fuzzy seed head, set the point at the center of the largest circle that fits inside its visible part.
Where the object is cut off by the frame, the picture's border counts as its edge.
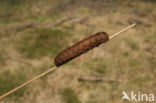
(80, 48)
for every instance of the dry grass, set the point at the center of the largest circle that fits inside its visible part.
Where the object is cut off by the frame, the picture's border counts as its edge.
(26, 35)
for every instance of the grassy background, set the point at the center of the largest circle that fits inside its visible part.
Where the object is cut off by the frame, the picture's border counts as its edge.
(31, 35)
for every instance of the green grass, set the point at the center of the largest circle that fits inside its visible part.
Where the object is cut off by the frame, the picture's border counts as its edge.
(132, 60)
(42, 42)
(3, 55)
(132, 44)
(2, 58)
(9, 9)
(69, 96)
(141, 80)
(126, 53)
(150, 39)
(9, 81)
(114, 86)
(43, 17)
(151, 62)
(13, 2)
(100, 65)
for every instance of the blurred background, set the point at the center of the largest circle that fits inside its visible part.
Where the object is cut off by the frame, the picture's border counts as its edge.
(33, 32)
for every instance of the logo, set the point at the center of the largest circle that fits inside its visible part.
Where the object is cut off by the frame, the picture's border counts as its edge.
(140, 97)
